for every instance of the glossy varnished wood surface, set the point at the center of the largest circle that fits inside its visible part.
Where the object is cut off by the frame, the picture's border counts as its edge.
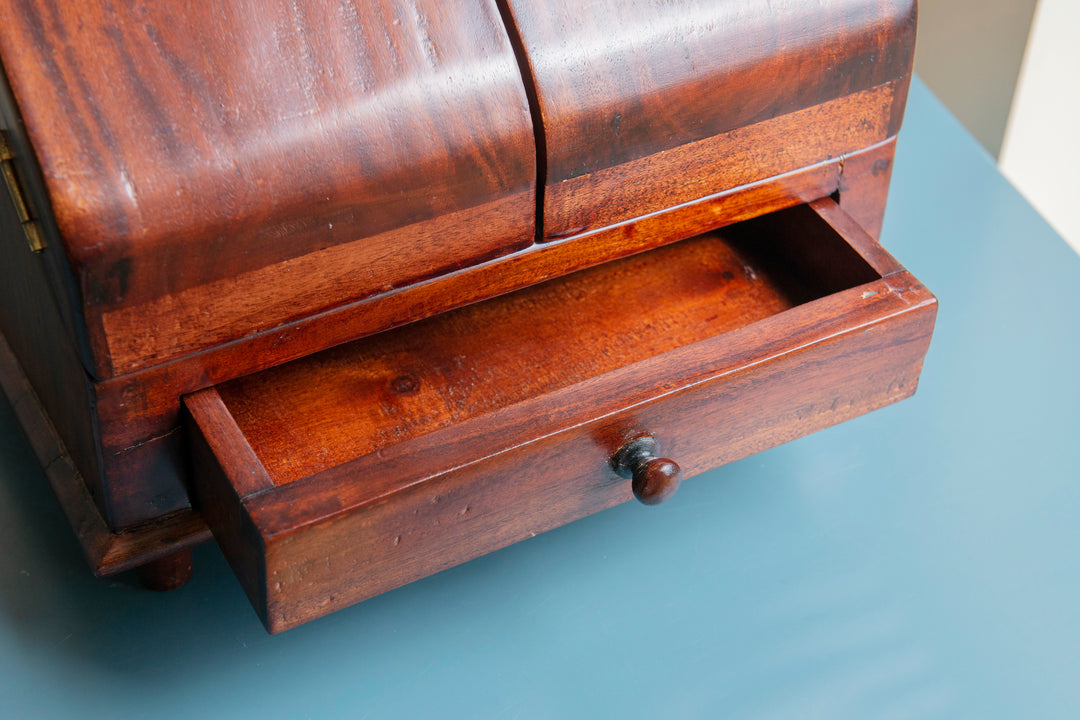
(197, 320)
(631, 93)
(488, 467)
(505, 498)
(184, 145)
(442, 372)
(819, 244)
(576, 206)
(283, 164)
(183, 340)
(139, 412)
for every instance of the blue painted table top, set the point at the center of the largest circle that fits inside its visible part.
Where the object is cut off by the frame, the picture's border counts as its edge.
(919, 562)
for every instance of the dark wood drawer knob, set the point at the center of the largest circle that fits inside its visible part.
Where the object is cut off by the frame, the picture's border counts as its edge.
(655, 478)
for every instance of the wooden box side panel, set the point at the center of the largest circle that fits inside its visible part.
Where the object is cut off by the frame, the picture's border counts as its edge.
(34, 329)
(218, 458)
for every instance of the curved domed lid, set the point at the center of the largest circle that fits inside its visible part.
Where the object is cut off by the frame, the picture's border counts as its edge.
(216, 169)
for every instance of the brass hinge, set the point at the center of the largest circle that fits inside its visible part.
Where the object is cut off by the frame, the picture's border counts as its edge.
(30, 226)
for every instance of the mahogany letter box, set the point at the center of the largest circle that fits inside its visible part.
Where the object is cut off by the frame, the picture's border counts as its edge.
(366, 290)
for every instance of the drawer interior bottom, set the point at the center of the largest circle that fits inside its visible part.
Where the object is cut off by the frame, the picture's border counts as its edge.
(357, 399)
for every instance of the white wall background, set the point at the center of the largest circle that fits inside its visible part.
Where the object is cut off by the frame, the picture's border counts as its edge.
(969, 53)
(1041, 151)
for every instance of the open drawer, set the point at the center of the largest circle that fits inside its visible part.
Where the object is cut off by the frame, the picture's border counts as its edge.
(348, 473)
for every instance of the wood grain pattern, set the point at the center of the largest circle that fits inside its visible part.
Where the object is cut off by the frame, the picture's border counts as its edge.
(142, 461)
(620, 82)
(488, 466)
(357, 399)
(145, 403)
(204, 316)
(218, 455)
(195, 319)
(185, 144)
(473, 510)
(227, 442)
(135, 409)
(701, 168)
(239, 272)
(316, 140)
(391, 466)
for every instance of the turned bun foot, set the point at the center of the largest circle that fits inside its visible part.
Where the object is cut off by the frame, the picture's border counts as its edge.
(167, 573)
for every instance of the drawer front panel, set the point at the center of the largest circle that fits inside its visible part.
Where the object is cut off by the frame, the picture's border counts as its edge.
(517, 495)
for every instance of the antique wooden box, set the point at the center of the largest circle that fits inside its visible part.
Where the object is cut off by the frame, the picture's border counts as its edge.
(370, 289)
